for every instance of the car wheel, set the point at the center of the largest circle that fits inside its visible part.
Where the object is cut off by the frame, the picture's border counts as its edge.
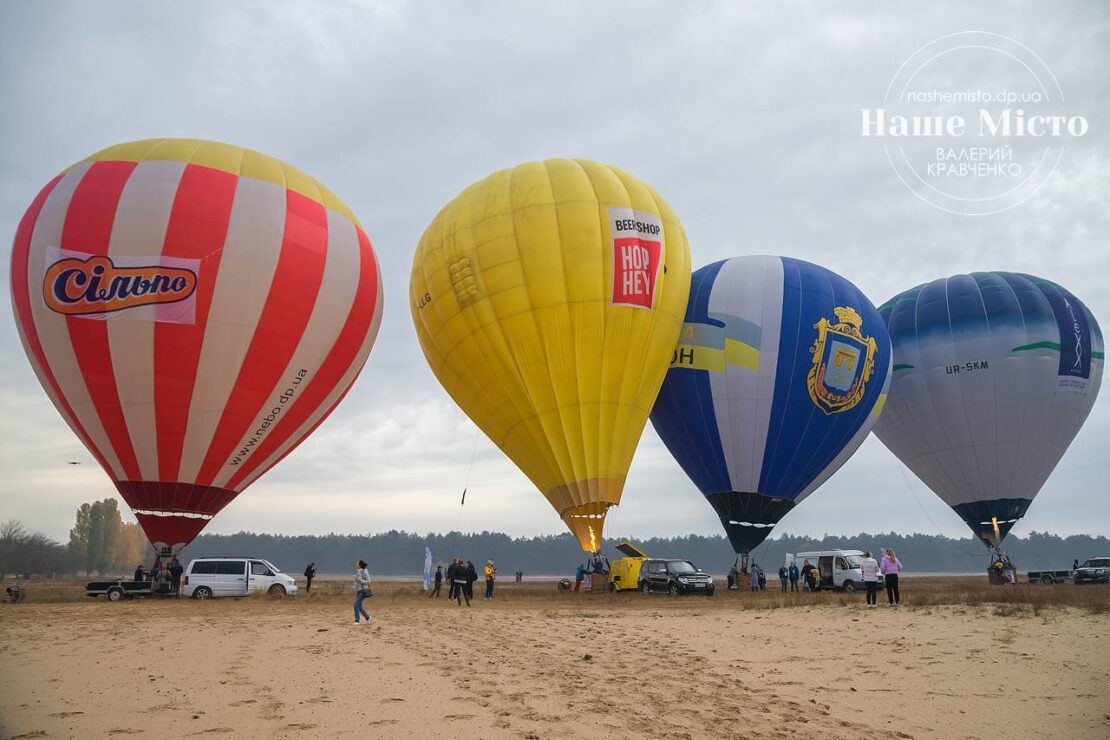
(849, 586)
(115, 594)
(644, 588)
(612, 586)
(202, 592)
(1046, 579)
(710, 592)
(673, 590)
(276, 591)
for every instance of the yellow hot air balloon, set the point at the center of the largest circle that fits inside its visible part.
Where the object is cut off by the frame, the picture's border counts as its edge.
(548, 300)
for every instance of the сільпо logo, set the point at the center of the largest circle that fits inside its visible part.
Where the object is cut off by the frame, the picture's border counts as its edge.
(133, 288)
(973, 123)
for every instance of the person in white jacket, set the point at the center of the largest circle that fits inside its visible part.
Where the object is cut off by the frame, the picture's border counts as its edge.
(870, 568)
(362, 590)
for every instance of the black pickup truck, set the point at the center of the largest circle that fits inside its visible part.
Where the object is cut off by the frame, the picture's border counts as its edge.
(1095, 570)
(120, 589)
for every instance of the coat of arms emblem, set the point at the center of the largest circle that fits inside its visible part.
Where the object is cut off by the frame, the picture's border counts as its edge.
(843, 362)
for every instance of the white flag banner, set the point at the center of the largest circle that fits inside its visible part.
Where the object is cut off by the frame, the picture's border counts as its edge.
(427, 568)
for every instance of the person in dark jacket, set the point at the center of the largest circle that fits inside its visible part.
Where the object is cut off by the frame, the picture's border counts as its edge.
(794, 575)
(309, 574)
(139, 572)
(439, 582)
(459, 580)
(471, 577)
(809, 573)
(579, 576)
(452, 568)
(784, 576)
(176, 569)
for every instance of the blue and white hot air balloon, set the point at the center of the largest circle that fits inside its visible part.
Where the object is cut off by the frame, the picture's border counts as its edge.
(994, 374)
(779, 375)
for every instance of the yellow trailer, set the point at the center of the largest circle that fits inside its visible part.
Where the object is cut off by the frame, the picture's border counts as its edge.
(624, 574)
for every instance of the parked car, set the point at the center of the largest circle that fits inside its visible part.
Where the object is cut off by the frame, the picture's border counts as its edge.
(674, 577)
(838, 570)
(1095, 570)
(206, 578)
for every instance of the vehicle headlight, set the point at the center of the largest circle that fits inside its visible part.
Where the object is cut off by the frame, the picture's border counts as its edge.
(1101, 571)
(682, 579)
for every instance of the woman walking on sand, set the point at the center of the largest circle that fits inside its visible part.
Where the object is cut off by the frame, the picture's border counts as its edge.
(362, 590)
(870, 569)
(891, 567)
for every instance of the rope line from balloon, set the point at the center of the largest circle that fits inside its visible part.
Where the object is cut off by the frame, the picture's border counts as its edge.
(902, 470)
(466, 485)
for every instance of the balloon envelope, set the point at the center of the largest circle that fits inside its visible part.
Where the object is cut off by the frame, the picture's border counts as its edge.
(194, 310)
(994, 373)
(780, 373)
(547, 299)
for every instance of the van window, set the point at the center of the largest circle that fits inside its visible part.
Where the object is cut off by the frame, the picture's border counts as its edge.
(204, 567)
(260, 569)
(230, 567)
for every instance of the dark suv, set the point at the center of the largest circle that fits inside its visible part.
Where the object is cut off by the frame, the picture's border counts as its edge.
(674, 577)
(1095, 570)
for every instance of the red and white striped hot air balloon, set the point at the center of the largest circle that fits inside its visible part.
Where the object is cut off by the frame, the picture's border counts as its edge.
(194, 310)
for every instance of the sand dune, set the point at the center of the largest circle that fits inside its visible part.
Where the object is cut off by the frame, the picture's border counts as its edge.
(595, 667)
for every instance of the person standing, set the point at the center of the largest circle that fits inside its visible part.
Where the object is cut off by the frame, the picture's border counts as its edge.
(753, 577)
(438, 582)
(579, 576)
(519, 576)
(176, 569)
(890, 568)
(471, 577)
(783, 577)
(452, 569)
(458, 583)
(870, 569)
(139, 572)
(309, 574)
(793, 573)
(362, 590)
(491, 575)
(809, 574)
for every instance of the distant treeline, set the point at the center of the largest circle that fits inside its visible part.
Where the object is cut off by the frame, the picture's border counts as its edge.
(402, 553)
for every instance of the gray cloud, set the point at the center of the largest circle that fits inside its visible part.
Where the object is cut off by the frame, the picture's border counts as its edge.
(744, 118)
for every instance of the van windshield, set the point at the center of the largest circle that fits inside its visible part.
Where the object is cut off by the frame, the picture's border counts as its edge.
(1097, 563)
(854, 561)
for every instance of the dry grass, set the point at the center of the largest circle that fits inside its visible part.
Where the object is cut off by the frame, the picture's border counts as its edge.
(1008, 601)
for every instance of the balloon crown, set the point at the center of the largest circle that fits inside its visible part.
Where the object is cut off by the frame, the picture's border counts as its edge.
(848, 315)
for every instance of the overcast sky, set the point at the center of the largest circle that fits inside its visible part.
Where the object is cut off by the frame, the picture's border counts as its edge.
(746, 120)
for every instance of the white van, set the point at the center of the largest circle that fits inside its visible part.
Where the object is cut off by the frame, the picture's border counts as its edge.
(209, 577)
(838, 569)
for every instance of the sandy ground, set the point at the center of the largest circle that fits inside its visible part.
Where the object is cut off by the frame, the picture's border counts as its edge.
(633, 666)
